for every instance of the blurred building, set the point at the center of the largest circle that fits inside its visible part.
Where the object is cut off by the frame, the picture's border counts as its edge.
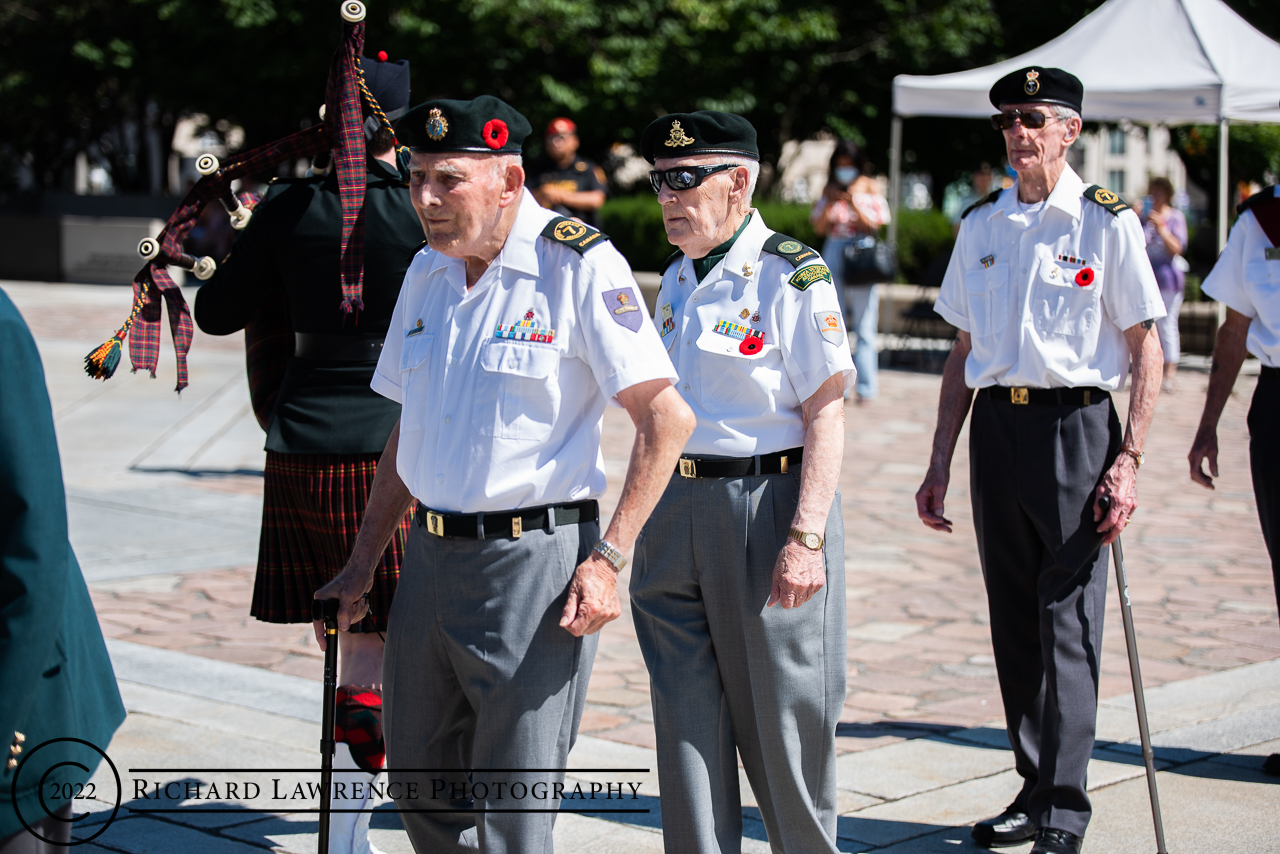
(1123, 157)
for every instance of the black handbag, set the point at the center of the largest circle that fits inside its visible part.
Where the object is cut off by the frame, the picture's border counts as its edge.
(868, 261)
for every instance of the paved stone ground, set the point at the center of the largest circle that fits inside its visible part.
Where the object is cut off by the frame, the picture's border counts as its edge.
(164, 493)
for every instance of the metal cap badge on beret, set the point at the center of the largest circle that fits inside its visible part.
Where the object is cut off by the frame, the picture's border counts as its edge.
(1038, 85)
(486, 125)
(703, 132)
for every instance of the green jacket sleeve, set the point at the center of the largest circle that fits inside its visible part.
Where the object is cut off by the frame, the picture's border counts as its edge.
(34, 550)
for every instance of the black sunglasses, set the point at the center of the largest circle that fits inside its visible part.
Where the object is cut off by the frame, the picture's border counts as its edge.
(684, 177)
(1031, 119)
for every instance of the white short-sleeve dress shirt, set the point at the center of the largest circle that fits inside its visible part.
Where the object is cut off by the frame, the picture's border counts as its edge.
(503, 387)
(1046, 301)
(749, 346)
(1247, 278)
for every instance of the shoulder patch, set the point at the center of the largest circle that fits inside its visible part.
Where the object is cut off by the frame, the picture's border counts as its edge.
(804, 277)
(988, 199)
(1106, 198)
(789, 248)
(1264, 196)
(576, 235)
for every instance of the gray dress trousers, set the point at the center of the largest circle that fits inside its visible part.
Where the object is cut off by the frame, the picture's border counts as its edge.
(478, 676)
(731, 677)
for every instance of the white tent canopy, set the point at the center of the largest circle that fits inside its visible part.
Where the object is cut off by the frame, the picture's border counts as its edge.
(1165, 61)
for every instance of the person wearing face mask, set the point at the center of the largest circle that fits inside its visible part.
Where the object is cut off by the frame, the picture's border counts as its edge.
(1052, 294)
(738, 586)
(851, 205)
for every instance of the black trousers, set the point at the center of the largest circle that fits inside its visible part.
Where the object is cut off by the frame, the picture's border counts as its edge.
(1033, 472)
(1264, 462)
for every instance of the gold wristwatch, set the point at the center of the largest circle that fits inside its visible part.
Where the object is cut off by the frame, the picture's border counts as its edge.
(1138, 456)
(807, 539)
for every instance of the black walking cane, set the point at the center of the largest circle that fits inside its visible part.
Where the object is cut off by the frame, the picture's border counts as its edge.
(327, 610)
(1135, 673)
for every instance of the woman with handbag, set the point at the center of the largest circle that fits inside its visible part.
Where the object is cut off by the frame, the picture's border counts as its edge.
(849, 214)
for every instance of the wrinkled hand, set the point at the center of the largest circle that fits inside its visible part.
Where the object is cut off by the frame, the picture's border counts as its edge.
(1120, 484)
(348, 587)
(1205, 447)
(930, 497)
(593, 597)
(798, 574)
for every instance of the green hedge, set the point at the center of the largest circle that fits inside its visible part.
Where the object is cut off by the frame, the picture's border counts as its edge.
(634, 223)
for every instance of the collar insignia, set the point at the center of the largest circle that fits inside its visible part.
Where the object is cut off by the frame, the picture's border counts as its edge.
(678, 138)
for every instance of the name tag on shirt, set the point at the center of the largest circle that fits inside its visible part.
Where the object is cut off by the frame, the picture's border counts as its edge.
(1273, 253)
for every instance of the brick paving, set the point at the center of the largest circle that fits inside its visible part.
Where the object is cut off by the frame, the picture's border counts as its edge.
(919, 649)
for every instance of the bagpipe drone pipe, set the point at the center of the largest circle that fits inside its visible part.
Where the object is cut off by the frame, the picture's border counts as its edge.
(338, 141)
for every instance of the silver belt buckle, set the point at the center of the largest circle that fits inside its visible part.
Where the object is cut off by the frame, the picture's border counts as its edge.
(1019, 396)
(687, 468)
(435, 523)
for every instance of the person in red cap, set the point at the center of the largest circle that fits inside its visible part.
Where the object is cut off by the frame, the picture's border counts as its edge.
(563, 181)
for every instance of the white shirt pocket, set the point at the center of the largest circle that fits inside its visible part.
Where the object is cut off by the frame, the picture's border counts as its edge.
(1262, 280)
(988, 292)
(517, 394)
(733, 383)
(1067, 299)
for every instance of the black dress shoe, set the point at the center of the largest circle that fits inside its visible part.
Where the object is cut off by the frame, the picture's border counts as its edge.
(1271, 765)
(1011, 827)
(1050, 840)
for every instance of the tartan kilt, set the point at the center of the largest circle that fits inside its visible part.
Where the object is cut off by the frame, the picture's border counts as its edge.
(312, 507)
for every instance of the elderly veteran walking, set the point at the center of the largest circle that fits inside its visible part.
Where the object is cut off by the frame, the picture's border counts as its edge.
(513, 330)
(1052, 293)
(738, 584)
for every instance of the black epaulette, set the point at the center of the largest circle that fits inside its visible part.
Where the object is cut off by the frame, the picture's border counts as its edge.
(671, 259)
(988, 199)
(576, 235)
(1262, 197)
(793, 250)
(1106, 198)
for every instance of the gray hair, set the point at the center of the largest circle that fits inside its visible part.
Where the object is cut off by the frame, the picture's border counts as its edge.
(753, 173)
(501, 162)
(1065, 113)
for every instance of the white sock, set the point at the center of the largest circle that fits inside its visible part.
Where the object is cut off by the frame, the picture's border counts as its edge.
(349, 831)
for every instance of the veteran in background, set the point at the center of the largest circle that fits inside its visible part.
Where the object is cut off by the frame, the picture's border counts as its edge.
(1247, 280)
(514, 328)
(1052, 294)
(738, 585)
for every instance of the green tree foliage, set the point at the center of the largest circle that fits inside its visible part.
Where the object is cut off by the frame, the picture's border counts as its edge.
(80, 73)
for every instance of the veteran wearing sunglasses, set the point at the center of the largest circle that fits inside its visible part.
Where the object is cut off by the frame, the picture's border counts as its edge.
(738, 584)
(1052, 294)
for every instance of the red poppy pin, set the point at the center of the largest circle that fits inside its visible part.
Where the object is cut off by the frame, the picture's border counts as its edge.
(751, 345)
(495, 133)
(1084, 278)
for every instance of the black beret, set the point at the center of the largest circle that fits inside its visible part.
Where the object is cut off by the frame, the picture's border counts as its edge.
(486, 124)
(388, 82)
(703, 132)
(1038, 86)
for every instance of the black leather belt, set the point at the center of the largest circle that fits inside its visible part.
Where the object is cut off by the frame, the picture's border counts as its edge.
(505, 523)
(776, 463)
(1268, 374)
(324, 347)
(1045, 396)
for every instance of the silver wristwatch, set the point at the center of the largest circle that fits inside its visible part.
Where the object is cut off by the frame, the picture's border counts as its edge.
(609, 552)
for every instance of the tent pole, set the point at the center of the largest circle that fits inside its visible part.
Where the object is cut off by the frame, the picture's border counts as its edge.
(1224, 191)
(895, 177)
(1224, 199)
